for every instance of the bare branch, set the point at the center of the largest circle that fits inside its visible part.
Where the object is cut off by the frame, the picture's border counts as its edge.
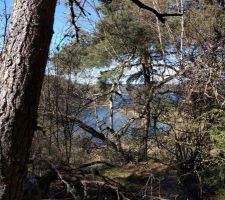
(160, 16)
(72, 18)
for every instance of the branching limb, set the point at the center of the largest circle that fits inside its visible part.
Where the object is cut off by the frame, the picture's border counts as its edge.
(73, 17)
(160, 16)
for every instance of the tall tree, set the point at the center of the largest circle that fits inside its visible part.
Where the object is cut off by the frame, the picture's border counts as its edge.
(22, 72)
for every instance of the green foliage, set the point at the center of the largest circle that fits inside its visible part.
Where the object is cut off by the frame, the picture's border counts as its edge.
(217, 130)
(70, 58)
(124, 30)
(220, 195)
(104, 79)
(214, 175)
(98, 55)
(201, 24)
(214, 172)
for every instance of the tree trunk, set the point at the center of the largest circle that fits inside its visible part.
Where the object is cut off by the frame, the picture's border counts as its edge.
(21, 76)
(147, 83)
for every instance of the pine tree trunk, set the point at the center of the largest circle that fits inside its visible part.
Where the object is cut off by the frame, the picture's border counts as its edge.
(21, 76)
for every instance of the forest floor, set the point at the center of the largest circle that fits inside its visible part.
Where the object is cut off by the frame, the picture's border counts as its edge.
(147, 180)
(141, 181)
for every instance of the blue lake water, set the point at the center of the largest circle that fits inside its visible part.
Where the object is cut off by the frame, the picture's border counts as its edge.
(91, 118)
(100, 117)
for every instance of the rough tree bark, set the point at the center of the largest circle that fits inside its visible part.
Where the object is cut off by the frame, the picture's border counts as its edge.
(21, 76)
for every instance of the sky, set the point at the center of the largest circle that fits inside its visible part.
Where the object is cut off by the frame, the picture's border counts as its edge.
(62, 17)
(61, 23)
